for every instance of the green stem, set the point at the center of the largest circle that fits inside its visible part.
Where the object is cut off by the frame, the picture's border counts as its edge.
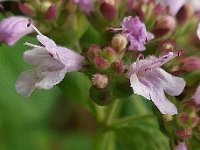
(100, 113)
(113, 112)
(127, 120)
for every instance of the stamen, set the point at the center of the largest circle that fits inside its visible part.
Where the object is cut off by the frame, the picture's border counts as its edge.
(33, 45)
(140, 56)
(180, 52)
(116, 29)
(30, 24)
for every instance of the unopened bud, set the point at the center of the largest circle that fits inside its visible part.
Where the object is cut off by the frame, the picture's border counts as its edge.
(100, 81)
(122, 87)
(186, 119)
(167, 46)
(101, 63)
(93, 51)
(51, 13)
(190, 64)
(184, 133)
(119, 42)
(26, 9)
(164, 25)
(184, 13)
(45, 6)
(109, 54)
(118, 66)
(101, 97)
(108, 11)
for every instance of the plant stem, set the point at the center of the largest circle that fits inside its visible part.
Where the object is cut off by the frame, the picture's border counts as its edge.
(126, 120)
(113, 112)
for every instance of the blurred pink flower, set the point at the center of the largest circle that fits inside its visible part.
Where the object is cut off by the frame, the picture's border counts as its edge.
(181, 146)
(150, 81)
(196, 96)
(198, 31)
(85, 5)
(51, 63)
(136, 33)
(174, 5)
(14, 28)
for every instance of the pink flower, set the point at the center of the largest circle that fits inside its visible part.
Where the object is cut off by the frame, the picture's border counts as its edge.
(85, 5)
(136, 33)
(181, 146)
(51, 63)
(150, 81)
(196, 96)
(14, 28)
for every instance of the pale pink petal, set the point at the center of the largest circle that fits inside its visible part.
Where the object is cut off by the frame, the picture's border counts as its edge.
(50, 79)
(172, 85)
(35, 56)
(198, 31)
(71, 59)
(163, 104)
(26, 82)
(14, 28)
(152, 89)
(139, 88)
(149, 63)
(181, 146)
(196, 96)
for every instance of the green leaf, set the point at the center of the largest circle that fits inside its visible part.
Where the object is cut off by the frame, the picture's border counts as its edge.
(142, 136)
(76, 87)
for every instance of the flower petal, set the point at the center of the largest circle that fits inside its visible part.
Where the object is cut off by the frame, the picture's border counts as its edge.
(35, 56)
(196, 96)
(163, 104)
(151, 88)
(26, 82)
(49, 73)
(198, 31)
(172, 85)
(181, 146)
(14, 28)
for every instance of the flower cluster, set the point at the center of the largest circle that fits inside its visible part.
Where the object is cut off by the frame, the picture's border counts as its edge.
(115, 65)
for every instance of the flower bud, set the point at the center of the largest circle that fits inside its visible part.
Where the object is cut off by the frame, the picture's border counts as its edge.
(122, 87)
(184, 133)
(190, 64)
(93, 51)
(184, 13)
(109, 54)
(100, 81)
(108, 11)
(50, 14)
(26, 9)
(45, 6)
(118, 66)
(101, 97)
(119, 42)
(188, 120)
(101, 63)
(167, 46)
(164, 25)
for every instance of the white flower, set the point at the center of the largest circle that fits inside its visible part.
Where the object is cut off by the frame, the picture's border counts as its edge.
(51, 63)
(152, 82)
